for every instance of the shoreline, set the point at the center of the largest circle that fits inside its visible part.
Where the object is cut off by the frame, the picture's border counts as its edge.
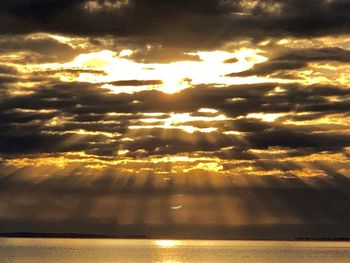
(144, 237)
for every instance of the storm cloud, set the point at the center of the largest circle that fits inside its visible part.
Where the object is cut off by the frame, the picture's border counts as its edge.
(177, 23)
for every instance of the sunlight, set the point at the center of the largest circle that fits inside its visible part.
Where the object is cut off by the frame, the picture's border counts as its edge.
(129, 121)
(175, 76)
(181, 121)
(95, 60)
(173, 84)
(209, 166)
(167, 243)
(268, 117)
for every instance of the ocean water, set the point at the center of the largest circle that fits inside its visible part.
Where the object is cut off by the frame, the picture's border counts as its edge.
(27, 250)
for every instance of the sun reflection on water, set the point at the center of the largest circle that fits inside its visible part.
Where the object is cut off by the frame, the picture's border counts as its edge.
(167, 243)
(170, 253)
(169, 261)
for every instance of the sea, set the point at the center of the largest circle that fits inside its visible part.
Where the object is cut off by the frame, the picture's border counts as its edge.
(60, 250)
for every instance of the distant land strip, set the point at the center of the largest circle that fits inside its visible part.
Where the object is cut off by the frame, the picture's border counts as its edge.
(64, 235)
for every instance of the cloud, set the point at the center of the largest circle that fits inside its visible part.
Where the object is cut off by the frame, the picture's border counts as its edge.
(45, 143)
(263, 157)
(231, 60)
(37, 48)
(74, 71)
(314, 54)
(297, 139)
(270, 67)
(295, 59)
(7, 70)
(83, 117)
(180, 23)
(135, 82)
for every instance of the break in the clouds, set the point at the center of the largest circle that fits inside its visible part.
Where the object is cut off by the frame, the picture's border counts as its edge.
(211, 116)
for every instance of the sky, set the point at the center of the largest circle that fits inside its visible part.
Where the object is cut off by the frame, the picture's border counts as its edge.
(194, 118)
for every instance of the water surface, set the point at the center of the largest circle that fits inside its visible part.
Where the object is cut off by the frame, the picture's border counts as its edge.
(27, 250)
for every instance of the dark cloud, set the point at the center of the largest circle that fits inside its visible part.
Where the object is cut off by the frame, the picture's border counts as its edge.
(8, 79)
(177, 23)
(135, 82)
(52, 116)
(45, 143)
(270, 67)
(231, 60)
(73, 71)
(295, 139)
(39, 49)
(295, 59)
(314, 54)
(7, 70)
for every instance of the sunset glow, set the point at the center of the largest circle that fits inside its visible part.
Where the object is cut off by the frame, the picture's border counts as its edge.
(140, 115)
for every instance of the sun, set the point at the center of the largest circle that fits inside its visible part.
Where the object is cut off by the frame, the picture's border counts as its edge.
(173, 84)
